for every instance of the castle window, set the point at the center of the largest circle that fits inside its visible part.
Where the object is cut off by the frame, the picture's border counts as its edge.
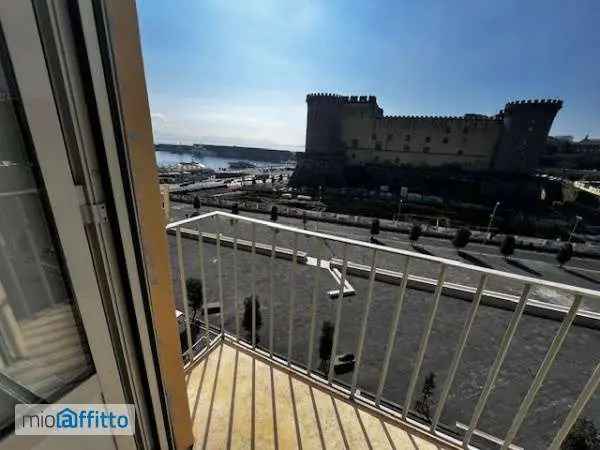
(406, 148)
(390, 137)
(377, 145)
(425, 149)
(354, 143)
(427, 139)
(407, 138)
(465, 130)
(374, 136)
(448, 130)
(445, 140)
(460, 152)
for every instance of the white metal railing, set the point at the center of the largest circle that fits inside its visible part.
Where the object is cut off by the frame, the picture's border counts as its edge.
(353, 393)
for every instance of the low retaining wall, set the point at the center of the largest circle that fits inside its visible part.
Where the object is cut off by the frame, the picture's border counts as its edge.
(495, 299)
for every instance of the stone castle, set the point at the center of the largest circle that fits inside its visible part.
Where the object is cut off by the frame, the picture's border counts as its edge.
(351, 131)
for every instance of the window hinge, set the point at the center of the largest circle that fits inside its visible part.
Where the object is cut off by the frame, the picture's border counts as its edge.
(95, 213)
(91, 213)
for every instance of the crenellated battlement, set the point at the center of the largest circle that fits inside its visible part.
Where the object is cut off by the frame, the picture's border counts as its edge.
(475, 118)
(340, 99)
(552, 103)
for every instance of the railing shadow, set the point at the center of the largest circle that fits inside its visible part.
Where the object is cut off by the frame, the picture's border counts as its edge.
(212, 398)
(232, 402)
(580, 275)
(474, 260)
(422, 250)
(523, 267)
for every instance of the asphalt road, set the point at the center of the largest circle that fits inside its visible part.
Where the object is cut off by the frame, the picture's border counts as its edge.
(579, 271)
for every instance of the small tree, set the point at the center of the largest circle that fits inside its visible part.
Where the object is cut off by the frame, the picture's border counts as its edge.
(195, 301)
(564, 253)
(247, 318)
(326, 344)
(415, 233)
(196, 202)
(461, 238)
(274, 213)
(424, 404)
(507, 248)
(583, 436)
(375, 228)
(194, 294)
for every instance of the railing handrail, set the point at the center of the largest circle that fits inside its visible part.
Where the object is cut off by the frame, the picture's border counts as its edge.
(436, 259)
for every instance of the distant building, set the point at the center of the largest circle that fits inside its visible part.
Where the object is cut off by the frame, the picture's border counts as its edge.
(346, 131)
(587, 145)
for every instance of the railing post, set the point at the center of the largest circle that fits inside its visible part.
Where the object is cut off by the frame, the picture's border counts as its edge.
(542, 372)
(338, 314)
(462, 341)
(292, 299)
(253, 272)
(220, 273)
(203, 280)
(272, 290)
(424, 341)
(392, 333)
(493, 374)
(363, 326)
(313, 308)
(184, 296)
(235, 280)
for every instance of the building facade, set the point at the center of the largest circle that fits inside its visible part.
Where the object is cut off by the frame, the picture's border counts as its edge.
(350, 131)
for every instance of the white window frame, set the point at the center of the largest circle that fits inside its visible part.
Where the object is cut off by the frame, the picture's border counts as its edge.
(65, 201)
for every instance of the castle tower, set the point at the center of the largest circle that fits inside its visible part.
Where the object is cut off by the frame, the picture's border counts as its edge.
(525, 130)
(323, 124)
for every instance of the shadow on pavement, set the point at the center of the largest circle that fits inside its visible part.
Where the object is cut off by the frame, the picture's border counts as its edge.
(422, 250)
(474, 260)
(523, 267)
(582, 276)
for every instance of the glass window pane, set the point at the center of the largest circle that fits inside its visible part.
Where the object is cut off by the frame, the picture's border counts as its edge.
(43, 352)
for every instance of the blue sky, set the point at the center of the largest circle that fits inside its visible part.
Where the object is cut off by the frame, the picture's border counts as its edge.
(228, 72)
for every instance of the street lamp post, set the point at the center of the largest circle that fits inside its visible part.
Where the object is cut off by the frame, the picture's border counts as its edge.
(577, 220)
(488, 235)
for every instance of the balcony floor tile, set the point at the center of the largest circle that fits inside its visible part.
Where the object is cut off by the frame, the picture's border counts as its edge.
(237, 400)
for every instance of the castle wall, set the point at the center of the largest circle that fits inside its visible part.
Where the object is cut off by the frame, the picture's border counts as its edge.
(431, 141)
(352, 131)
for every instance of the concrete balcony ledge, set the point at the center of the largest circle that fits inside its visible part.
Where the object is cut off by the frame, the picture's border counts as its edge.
(239, 399)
